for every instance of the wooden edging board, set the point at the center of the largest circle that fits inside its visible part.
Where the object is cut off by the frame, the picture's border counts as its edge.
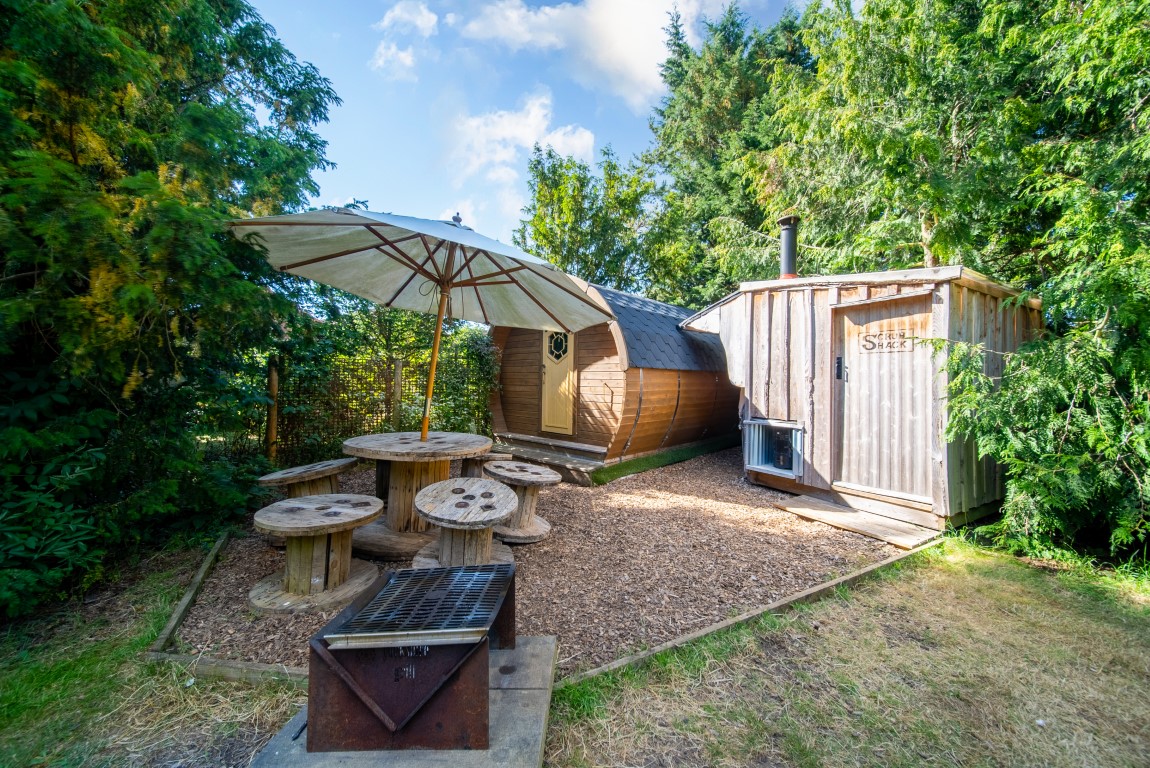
(223, 669)
(205, 666)
(779, 606)
(189, 597)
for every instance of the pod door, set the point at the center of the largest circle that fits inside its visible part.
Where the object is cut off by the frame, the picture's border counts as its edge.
(558, 396)
(882, 387)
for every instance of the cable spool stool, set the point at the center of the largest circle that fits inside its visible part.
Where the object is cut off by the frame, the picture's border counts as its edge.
(465, 509)
(524, 527)
(310, 479)
(474, 467)
(319, 572)
(307, 480)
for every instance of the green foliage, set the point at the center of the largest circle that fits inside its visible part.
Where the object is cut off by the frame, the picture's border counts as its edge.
(1006, 136)
(716, 112)
(589, 225)
(46, 534)
(337, 381)
(128, 134)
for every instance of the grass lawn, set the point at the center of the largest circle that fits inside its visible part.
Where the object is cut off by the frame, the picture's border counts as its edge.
(75, 691)
(963, 658)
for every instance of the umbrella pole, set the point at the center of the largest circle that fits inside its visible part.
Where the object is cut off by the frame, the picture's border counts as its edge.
(443, 294)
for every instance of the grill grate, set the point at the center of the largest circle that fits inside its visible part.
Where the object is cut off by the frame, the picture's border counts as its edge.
(435, 606)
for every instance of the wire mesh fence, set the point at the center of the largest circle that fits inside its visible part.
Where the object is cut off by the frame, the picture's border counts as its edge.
(366, 396)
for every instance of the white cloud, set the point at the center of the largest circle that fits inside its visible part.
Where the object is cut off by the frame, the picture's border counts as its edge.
(407, 15)
(502, 174)
(608, 45)
(394, 62)
(498, 139)
(490, 150)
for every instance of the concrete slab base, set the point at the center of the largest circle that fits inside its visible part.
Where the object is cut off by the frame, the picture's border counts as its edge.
(520, 697)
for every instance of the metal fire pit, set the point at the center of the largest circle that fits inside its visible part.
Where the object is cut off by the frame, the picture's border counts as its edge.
(407, 667)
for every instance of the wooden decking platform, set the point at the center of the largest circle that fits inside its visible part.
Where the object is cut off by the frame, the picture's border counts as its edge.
(573, 469)
(896, 532)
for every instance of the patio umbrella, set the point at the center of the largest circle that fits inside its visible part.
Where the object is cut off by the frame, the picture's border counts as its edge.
(424, 265)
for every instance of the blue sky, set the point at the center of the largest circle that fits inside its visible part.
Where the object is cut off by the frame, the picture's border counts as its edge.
(442, 101)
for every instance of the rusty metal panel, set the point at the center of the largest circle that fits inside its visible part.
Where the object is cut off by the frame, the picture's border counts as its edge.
(407, 667)
(435, 696)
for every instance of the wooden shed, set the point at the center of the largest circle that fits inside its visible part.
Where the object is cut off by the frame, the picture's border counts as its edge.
(628, 388)
(844, 397)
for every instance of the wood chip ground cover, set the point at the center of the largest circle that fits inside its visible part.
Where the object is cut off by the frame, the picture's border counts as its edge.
(631, 564)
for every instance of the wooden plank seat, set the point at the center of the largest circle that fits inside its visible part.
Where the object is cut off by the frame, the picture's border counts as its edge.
(465, 509)
(319, 573)
(524, 527)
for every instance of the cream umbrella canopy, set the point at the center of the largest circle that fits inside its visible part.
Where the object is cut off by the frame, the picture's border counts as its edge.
(421, 264)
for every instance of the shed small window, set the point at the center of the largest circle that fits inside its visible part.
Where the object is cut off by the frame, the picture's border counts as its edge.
(773, 447)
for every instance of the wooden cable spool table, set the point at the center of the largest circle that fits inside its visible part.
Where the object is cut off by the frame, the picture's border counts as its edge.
(319, 572)
(465, 509)
(524, 527)
(414, 464)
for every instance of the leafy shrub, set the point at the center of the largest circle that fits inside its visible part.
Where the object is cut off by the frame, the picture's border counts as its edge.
(47, 535)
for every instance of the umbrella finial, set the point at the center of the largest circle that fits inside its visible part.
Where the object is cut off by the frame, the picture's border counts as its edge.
(457, 218)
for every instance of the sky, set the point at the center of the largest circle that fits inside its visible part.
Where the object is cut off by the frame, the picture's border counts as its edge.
(443, 100)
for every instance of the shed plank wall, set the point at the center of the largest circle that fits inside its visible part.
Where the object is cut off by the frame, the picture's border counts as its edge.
(980, 318)
(793, 375)
(521, 379)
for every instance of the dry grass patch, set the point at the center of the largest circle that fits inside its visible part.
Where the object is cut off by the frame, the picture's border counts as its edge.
(967, 658)
(173, 719)
(74, 690)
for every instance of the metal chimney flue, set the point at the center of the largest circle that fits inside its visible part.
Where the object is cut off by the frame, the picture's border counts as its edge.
(789, 242)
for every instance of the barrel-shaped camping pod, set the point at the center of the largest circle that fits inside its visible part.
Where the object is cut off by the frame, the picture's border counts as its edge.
(632, 387)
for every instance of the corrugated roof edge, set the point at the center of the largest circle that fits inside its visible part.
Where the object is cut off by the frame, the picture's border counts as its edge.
(959, 274)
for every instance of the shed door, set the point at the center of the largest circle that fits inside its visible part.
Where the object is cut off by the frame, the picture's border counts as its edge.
(558, 382)
(883, 391)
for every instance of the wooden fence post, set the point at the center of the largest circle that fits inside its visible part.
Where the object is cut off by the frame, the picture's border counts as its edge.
(396, 393)
(273, 407)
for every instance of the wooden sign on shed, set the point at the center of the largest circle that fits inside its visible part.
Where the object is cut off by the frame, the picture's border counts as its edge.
(844, 395)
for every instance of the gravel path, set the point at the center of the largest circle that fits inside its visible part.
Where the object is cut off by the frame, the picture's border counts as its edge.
(631, 564)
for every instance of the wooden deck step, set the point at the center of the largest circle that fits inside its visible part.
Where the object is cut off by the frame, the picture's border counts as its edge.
(574, 469)
(896, 532)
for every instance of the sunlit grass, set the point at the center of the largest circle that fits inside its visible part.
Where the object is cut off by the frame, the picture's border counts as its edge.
(75, 689)
(962, 657)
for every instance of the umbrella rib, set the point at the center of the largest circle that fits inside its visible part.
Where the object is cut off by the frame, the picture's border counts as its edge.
(467, 262)
(400, 254)
(419, 268)
(431, 253)
(577, 294)
(531, 296)
(325, 257)
(506, 271)
(475, 287)
(475, 282)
